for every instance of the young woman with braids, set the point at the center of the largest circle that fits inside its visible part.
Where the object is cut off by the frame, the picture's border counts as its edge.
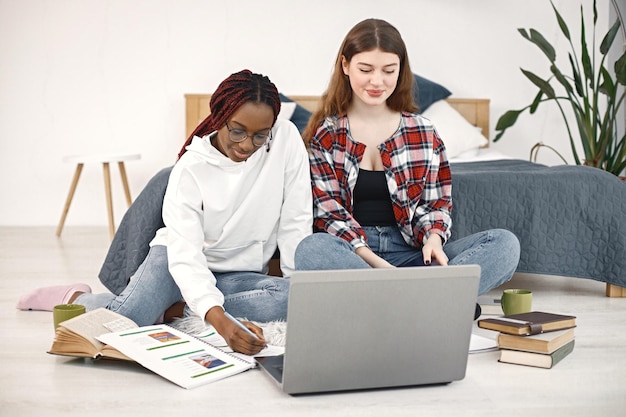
(240, 190)
(380, 176)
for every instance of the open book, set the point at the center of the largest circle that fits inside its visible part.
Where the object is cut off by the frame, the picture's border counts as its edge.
(77, 336)
(184, 359)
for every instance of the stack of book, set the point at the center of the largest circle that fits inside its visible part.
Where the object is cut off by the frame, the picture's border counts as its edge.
(534, 339)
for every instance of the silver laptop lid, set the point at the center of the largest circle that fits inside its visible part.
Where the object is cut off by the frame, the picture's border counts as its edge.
(375, 328)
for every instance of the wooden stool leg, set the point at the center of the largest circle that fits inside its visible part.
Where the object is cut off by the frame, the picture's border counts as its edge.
(129, 201)
(109, 198)
(70, 196)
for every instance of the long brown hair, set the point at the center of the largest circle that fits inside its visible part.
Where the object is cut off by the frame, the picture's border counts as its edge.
(366, 36)
(236, 90)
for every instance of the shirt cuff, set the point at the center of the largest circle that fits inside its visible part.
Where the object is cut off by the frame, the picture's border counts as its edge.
(203, 307)
(434, 231)
(359, 242)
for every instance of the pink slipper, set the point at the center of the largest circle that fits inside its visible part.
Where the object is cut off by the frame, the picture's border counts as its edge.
(47, 297)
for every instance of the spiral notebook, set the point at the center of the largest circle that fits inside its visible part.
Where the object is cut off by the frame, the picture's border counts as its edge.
(177, 356)
(376, 328)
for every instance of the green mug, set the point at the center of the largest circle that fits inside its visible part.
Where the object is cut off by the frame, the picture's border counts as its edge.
(515, 301)
(64, 312)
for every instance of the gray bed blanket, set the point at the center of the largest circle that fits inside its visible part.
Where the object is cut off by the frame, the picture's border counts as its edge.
(570, 220)
(130, 244)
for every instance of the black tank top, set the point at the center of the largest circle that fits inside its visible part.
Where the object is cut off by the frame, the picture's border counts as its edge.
(371, 201)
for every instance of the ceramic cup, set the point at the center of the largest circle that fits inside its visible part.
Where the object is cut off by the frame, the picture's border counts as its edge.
(515, 301)
(64, 312)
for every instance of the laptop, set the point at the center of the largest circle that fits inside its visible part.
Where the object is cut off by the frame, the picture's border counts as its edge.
(357, 329)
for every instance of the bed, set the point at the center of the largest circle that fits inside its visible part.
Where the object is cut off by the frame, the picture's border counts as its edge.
(563, 227)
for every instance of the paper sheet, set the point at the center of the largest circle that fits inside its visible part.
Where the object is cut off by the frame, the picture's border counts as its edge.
(482, 344)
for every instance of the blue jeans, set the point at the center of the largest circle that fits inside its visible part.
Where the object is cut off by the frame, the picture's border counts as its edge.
(497, 252)
(152, 290)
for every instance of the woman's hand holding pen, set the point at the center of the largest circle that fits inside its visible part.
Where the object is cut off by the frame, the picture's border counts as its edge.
(243, 337)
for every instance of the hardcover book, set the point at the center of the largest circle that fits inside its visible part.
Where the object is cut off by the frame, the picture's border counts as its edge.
(539, 360)
(539, 343)
(535, 322)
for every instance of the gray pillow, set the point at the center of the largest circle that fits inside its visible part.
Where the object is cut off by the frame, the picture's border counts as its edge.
(427, 92)
(300, 116)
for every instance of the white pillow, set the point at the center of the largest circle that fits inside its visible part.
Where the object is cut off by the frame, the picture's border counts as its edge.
(286, 109)
(457, 134)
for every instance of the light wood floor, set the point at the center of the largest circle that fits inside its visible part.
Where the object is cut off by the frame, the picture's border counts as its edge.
(590, 382)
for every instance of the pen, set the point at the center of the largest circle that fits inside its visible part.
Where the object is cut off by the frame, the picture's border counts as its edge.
(240, 325)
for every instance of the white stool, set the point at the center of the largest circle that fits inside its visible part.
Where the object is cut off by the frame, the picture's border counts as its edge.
(80, 161)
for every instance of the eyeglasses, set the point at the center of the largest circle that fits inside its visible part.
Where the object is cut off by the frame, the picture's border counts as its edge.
(239, 135)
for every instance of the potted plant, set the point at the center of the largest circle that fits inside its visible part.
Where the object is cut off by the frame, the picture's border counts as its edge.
(590, 89)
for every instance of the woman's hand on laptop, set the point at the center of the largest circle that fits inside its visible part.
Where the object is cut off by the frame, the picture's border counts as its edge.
(432, 251)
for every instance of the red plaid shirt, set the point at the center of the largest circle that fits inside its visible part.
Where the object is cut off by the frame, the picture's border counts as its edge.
(417, 173)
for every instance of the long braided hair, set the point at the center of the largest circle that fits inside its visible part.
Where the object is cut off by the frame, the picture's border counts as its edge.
(236, 90)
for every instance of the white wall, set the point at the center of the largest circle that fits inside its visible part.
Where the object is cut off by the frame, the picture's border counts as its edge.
(89, 76)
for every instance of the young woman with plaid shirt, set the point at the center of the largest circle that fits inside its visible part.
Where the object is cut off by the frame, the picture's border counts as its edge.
(382, 189)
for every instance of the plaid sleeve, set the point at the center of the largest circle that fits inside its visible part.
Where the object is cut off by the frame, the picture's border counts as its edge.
(331, 193)
(434, 212)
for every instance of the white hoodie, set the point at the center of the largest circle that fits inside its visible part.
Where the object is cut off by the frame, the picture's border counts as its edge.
(226, 216)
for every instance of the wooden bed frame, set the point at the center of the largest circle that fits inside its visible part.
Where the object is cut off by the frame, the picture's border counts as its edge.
(474, 110)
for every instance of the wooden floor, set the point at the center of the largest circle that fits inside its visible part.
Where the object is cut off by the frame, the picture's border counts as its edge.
(590, 382)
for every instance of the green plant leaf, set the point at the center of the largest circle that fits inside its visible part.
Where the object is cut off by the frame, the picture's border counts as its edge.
(609, 38)
(617, 163)
(561, 79)
(508, 119)
(606, 86)
(620, 69)
(523, 32)
(578, 81)
(604, 141)
(505, 121)
(584, 51)
(595, 13)
(536, 102)
(586, 139)
(541, 83)
(561, 22)
(541, 42)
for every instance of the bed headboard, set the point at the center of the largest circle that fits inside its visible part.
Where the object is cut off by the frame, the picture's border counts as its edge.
(474, 110)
